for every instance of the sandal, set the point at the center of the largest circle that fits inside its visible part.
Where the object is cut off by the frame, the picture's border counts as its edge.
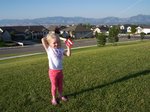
(63, 98)
(54, 102)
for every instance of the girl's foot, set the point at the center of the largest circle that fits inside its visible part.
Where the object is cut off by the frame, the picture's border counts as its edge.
(63, 98)
(54, 102)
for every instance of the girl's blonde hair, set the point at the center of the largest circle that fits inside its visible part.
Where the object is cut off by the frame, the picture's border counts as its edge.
(52, 35)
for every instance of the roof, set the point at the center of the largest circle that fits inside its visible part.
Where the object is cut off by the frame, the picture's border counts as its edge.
(104, 28)
(52, 27)
(23, 28)
(77, 28)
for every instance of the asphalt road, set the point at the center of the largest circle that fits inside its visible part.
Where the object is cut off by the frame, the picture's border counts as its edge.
(39, 48)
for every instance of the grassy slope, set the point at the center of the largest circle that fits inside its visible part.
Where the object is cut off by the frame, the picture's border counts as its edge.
(109, 79)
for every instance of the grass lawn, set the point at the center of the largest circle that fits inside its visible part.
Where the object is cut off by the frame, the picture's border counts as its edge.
(96, 79)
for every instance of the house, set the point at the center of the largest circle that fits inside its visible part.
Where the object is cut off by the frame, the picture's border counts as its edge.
(146, 29)
(37, 31)
(5, 36)
(123, 29)
(1, 31)
(96, 30)
(58, 29)
(101, 29)
(129, 29)
(126, 28)
(78, 31)
(23, 32)
(139, 30)
(104, 29)
(52, 27)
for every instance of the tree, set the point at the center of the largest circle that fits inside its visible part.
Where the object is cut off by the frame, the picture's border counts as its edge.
(101, 39)
(113, 34)
(129, 36)
(133, 29)
(142, 35)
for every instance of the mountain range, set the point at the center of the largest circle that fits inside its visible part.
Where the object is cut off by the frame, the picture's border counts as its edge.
(59, 20)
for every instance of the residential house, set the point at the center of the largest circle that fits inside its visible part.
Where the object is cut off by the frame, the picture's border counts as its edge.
(126, 28)
(52, 27)
(5, 36)
(101, 29)
(79, 31)
(37, 31)
(123, 29)
(129, 29)
(146, 29)
(97, 29)
(58, 29)
(1, 31)
(23, 32)
(139, 30)
(104, 29)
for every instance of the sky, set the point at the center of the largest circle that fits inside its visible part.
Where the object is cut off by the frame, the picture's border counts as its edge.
(31, 9)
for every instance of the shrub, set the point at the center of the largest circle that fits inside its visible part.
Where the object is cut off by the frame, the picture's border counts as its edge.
(129, 36)
(2, 44)
(142, 35)
(113, 34)
(101, 39)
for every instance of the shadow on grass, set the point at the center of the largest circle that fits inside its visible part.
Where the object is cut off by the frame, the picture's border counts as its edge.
(125, 78)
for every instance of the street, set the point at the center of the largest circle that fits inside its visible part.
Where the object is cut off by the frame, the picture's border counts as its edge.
(39, 48)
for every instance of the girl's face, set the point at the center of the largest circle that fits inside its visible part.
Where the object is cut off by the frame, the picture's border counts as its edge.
(55, 43)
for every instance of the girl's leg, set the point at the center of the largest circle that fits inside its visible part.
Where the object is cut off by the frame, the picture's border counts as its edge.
(60, 83)
(60, 87)
(53, 80)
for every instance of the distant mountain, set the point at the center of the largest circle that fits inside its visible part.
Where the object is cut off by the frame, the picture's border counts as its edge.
(139, 19)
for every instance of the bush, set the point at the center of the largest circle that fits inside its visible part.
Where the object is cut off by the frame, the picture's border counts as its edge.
(113, 34)
(2, 44)
(129, 36)
(142, 35)
(101, 39)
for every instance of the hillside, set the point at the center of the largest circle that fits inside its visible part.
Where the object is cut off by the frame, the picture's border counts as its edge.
(96, 79)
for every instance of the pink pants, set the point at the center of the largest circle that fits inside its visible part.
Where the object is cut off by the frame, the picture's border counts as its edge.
(56, 78)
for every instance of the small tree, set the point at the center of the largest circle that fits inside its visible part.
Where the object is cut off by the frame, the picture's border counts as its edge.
(101, 39)
(142, 35)
(133, 29)
(113, 34)
(129, 36)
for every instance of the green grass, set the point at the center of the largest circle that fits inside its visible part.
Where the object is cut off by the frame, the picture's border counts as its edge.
(96, 79)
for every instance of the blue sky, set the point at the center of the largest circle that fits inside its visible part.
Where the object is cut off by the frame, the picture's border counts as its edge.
(30, 9)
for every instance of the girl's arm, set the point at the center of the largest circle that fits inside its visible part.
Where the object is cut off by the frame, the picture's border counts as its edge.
(45, 43)
(68, 51)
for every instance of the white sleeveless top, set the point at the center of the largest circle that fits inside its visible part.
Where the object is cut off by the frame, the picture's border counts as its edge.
(55, 56)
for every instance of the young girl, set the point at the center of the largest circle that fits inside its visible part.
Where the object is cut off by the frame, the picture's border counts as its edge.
(52, 45)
